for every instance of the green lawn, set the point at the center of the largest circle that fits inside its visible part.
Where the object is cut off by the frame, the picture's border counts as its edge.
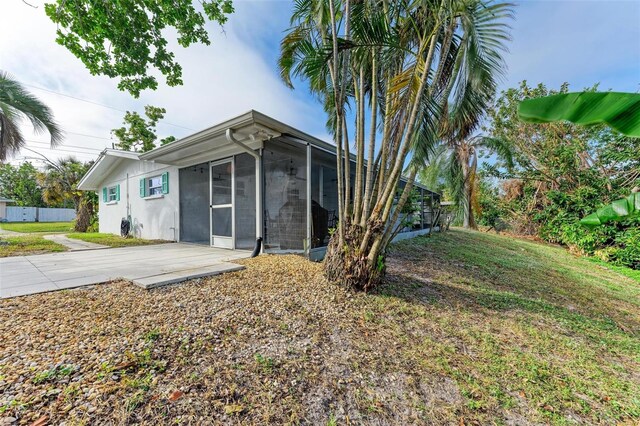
(518, 325)
(27, 244)
(28, 227)
(112, 240)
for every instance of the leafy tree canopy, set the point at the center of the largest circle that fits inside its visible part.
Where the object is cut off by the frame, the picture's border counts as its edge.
(127, 39)
(563, 172)
(139, 134)
(19, 184)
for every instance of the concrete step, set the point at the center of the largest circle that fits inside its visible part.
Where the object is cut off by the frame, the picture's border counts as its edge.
(160, 280)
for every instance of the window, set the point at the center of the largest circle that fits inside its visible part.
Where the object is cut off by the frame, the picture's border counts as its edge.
(112, 193)
(155, 185)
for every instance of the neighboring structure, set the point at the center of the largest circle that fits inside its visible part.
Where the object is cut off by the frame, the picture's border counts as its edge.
(246, 178)
(3, 208)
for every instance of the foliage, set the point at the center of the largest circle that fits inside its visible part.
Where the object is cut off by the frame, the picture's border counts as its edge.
(16, 104)
(419, 72)
(455, 167)
(621, 111)
(622, 209)
(19, 183)
(489, 205)
(127, 39)
(561, 173)
(139, 134)
(59, 184)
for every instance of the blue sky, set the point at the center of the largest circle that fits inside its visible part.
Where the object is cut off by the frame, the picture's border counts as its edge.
(581, 42)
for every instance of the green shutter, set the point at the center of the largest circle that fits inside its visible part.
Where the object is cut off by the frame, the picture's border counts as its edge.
(104, 194)
(118, 192)
(143, 191)
(165, 183)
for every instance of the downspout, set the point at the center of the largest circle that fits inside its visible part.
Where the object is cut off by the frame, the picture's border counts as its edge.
(259, 209)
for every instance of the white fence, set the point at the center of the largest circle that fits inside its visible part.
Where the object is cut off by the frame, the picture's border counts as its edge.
(39, 214)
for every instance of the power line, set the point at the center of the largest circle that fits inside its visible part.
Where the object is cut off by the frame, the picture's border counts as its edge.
(88, 136)
(97, 103)
(65, 146)
(71, 151)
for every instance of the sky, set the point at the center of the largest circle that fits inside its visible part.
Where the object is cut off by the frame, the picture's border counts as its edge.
(579, 41)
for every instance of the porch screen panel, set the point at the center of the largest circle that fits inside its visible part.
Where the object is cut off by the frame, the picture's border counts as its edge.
(324, 197)
(194, 204)
(285, 196)
(245, 206)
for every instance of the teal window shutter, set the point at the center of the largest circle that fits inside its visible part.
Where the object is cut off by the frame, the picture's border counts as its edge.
(104, 194)
(118, 192)
(143, 191)
(165, 183)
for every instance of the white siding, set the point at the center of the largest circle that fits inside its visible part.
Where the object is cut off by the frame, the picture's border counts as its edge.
(151, 218)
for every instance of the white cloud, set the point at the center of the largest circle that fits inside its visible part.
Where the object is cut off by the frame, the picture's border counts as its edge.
(222, 80)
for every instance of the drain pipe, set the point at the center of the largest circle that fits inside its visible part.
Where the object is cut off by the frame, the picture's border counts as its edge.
(258, 246)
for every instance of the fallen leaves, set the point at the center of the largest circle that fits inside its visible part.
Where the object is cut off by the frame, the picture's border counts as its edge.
(42, 421)
(175, 395)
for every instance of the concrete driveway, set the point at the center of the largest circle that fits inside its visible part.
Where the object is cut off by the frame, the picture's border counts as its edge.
(147, 266)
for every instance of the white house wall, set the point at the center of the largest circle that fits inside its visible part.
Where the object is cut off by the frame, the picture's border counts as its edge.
(151, 217)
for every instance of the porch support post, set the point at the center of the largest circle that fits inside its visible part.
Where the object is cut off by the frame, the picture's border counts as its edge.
(421, 208)
(309, 212)
(259, 200)
(258, 158)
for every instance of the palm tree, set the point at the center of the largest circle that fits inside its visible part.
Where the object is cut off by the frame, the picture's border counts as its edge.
(406, 67)
(59, 183)
(456, 165)
(16, 103)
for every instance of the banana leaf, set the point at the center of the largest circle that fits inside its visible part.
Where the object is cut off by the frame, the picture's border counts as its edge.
(624, 208)
(619, 110)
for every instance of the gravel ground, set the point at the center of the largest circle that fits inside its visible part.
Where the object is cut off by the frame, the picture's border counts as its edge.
(273, 343)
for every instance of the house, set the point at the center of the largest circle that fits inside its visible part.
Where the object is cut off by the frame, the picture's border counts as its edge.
(3, 208)
(226, 186)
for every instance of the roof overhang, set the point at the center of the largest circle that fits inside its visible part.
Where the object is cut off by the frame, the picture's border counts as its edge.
(108, 160)
(251, 128)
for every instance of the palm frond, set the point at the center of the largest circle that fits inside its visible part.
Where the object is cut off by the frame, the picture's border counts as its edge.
(16, 102)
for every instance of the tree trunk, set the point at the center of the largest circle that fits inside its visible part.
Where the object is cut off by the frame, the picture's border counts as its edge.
(466, 199)
(83, 216)
(348, 265)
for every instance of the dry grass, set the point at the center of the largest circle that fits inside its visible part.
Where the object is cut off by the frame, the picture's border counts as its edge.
(468, 329)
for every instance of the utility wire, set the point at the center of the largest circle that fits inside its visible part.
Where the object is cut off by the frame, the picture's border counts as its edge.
(65, 146)
(88, 136)
(96, 103)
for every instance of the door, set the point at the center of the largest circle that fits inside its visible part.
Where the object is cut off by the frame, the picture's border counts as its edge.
(222, 217)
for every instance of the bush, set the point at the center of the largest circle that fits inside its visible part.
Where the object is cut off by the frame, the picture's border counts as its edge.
(626, 252)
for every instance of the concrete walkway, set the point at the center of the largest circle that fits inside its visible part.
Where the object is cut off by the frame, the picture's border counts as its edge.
(146, 266)
(73, 244)
(10, 233)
